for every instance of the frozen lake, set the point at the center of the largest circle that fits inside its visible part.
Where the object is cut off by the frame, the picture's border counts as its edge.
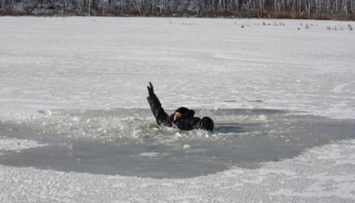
(116, 143)
(74, 110)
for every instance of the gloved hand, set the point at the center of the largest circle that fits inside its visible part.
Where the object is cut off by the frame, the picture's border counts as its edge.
(150, 89)
(206, 124)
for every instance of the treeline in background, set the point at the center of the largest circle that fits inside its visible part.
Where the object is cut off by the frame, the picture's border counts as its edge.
(292, 9)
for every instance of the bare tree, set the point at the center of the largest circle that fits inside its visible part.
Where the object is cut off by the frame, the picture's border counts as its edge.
(221, 7)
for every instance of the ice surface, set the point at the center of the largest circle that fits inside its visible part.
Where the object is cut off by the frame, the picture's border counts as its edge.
(311, 177)
(123, 142)
(106, 63)
(60, 65)
(129, 142)
(12, 144)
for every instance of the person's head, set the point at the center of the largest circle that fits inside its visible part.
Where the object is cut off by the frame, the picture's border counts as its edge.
(179, 112)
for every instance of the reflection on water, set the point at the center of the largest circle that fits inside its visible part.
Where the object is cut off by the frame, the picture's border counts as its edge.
(128, 141)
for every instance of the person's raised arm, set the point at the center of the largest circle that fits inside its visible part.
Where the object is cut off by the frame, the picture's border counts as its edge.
(157, 110)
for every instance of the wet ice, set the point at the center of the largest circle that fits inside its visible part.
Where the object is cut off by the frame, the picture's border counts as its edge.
(129, 142)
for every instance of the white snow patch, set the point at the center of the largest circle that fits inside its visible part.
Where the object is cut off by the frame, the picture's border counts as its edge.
(149, 154)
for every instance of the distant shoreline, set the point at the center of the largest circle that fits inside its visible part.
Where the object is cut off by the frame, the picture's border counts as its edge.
(263, 9)
(282, 16)
(322, 17)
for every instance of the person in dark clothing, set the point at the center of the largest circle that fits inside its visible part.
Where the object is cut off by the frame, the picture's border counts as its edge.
(183, 118)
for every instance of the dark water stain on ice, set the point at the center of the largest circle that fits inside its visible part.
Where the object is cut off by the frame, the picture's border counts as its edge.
(127, 141)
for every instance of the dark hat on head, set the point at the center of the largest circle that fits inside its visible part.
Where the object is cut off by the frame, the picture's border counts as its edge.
(182, 110)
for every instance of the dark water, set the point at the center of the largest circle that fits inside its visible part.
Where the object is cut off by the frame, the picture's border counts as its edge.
(128, 142)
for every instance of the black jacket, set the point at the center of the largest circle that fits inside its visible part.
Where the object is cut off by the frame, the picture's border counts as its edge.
(186, 122)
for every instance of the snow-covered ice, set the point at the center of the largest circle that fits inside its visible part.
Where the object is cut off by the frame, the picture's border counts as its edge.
(311, 177)
(68, 77)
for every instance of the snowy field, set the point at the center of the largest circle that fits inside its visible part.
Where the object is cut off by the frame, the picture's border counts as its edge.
(73, 100)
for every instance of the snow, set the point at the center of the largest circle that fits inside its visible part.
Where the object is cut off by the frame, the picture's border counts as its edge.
(51, 65)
